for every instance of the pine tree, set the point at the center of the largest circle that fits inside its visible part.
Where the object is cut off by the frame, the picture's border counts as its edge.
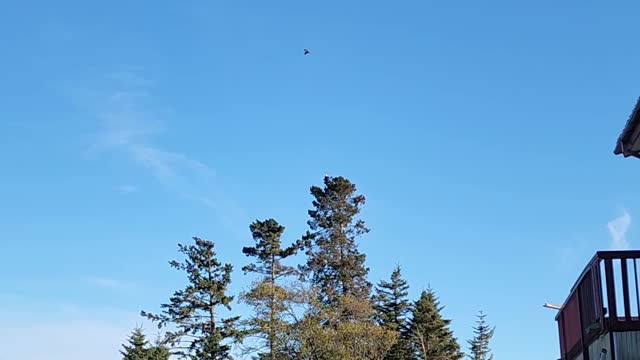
(267, 297)
(430, 334)
(136, 349)
(192, 310)
(392, 307)
(479, 345)
(334, 264)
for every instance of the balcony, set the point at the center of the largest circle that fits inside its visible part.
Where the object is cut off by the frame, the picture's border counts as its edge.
(602, 311)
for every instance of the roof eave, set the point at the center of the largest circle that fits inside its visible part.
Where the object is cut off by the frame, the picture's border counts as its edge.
(632, 123)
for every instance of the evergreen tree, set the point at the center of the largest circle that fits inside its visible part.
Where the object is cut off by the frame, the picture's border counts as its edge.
(199, 333)
(334, 264)
(358, 340)
(392, 307)
(391, 302)
(136, 347)
(479, 345)
(267, 297)
(158, 351)
(430, 335)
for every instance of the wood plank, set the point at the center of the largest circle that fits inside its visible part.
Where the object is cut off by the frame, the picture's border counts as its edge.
(625, 290)
(611, 293)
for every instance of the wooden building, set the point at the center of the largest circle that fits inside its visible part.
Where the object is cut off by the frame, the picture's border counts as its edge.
(600, 318)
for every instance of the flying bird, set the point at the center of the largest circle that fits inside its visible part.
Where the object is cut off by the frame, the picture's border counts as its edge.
(307, 52)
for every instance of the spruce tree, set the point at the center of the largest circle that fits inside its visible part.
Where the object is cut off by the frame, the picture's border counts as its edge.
(192, 311)
(136, 347)
(479, 345)
(391, 302)
(429, 332)
(158, 351)
(392, 308)
(334, 264)
(268, 297)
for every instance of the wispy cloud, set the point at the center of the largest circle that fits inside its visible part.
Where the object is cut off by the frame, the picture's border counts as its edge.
(128, 189)
(130, 126)
(130, 77)
(109, 283)
(618, 228)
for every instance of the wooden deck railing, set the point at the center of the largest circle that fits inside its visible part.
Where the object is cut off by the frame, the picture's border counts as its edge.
(605, 298)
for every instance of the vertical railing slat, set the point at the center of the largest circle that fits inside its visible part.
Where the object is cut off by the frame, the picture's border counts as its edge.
(635, 277)
(611, 293)
(625, 290)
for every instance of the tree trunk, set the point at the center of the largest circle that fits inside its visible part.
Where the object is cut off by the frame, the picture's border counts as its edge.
(272, 309)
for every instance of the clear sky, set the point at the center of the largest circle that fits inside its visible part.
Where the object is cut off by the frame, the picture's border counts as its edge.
(481, 133)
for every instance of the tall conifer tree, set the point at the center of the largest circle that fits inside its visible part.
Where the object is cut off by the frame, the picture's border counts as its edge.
(430, 335)
(391, 302)
(339, 321)
(267, 296)
(200, 333)
(334, 264)
(479, 345)
(392, 307)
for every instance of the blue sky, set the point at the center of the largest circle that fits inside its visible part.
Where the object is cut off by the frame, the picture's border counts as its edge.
(480, 132)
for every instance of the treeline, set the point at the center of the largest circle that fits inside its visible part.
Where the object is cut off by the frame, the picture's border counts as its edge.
(323, 309)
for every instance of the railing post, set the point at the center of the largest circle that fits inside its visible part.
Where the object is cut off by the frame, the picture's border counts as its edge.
(563, 339)
(598, 292)
(585, 348)
(611, 293)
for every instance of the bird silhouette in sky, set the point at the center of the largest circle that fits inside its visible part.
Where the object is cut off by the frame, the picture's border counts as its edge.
(307, 52)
